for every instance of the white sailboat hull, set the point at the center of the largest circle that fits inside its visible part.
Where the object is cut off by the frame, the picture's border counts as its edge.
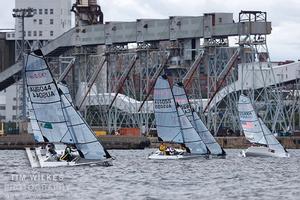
(38, 159)
(261, 151)
(158, 155)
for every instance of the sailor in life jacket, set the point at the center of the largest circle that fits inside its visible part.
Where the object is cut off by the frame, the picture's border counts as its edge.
(162, 148)
(67, 154)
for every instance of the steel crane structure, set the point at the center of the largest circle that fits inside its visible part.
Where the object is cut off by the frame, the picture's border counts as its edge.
(117, 63)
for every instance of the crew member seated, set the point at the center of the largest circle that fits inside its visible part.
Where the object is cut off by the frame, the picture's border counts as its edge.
(52, 152)
(67, 154)
(170, 151)
(185, 148)
(162, 148)
(51, 149)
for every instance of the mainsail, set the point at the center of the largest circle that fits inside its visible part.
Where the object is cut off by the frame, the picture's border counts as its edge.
(45, 100)
(171, 123)
(166, 116)
(56, 117)
(249, 121)
(38, 136)
(182, 99)
(254, 128)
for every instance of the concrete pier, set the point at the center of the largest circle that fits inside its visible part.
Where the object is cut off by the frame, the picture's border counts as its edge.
(134, 142)
(108, 141)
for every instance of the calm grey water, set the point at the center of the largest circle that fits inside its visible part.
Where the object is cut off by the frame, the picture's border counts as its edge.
(135, 177)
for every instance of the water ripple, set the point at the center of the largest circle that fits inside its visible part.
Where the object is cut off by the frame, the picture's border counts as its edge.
(135, 177)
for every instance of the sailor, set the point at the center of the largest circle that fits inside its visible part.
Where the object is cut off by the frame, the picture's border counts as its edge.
(185, 148)
(162, 148)
(43, 149)
(170, 151)
(51, 149)
(67, 154)
(52, 152)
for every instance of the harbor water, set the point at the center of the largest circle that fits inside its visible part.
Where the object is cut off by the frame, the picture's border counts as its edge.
(133, 176)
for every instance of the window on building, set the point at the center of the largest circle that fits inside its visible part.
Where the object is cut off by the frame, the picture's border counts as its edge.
(34, 11)
(51, 11)
(15, 107)
(14, 117)
(8, 35)
(51, 33)
(34, 33)
(13, 35)
(40, 33)
(46, 11)
(220, 20)
(2, 117)
(29, 33)
(40, 21)
(34, 21)
(51, 21)
(2, 108)
(40, 11)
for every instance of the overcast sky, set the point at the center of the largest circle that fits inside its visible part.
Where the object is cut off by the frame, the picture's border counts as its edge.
(283, 43)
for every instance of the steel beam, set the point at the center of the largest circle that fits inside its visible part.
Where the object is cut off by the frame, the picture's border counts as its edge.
(123, 78)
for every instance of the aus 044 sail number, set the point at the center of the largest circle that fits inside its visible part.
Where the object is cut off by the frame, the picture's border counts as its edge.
(43, 91)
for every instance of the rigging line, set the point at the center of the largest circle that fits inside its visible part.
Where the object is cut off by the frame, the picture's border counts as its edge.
(176, 136)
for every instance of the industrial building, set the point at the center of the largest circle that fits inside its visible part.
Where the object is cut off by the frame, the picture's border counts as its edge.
(50, 19)
(111, 67)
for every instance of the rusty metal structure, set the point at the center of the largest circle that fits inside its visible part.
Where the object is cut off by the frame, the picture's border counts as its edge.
(117, 63)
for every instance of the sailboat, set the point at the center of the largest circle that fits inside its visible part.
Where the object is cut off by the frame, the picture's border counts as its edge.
(173, 126)
(264, 143)
(55, 118)
(181, 98)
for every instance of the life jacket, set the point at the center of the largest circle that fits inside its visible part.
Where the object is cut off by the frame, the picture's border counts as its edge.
(162, 147)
